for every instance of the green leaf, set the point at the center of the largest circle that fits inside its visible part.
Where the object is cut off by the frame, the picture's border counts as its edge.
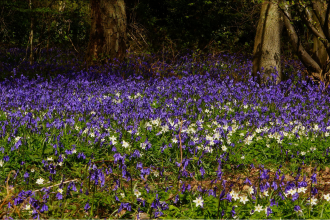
(172, 207)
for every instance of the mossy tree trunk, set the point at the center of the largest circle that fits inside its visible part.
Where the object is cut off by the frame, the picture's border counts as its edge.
(319, 52)
(267, 44)
(108, 37)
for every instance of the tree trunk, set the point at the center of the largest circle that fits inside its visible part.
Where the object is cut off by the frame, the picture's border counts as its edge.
(319, 52)
(108, 31)
(31, 34)
(267, 44)
(310, 64)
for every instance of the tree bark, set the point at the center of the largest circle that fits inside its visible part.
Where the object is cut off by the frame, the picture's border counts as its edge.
(31, 34)
(319, 52)
(305, 58)
(267, 44)
(108, 37)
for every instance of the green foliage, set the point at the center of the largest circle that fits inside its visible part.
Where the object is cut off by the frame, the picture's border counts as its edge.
(187, 24)
(56, 23)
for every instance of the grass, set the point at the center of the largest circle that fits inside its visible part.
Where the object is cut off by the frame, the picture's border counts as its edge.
(184, 137)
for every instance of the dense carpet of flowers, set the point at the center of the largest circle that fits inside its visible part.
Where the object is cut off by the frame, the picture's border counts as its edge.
(88, 144)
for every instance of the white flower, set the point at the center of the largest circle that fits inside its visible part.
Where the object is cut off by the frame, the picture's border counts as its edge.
(137, 193)
(125, 144)
(224, 148)
(243, 157)
(313, 201)
(251, 190)
(60, 191)
(32, 170)
(302, 189)
(265, 193)
(40, 181)
(258, 208)
(17, 139)
(1, 163)
(199, 201)
(235, 196)
(292, 191)
(122, 195)
(143, 145)
(156, 173)
(113, 138)
(50, 158)
(327, 197)
(232, 193)
(244, 199)
(174, 140)
(74, 151)
(27, 207)
(303, 153)
(60, 164)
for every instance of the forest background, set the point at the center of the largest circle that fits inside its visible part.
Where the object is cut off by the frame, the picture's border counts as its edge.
(203, 26)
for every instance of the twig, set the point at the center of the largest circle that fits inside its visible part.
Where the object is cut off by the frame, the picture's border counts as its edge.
(180, 141)
(57, 184)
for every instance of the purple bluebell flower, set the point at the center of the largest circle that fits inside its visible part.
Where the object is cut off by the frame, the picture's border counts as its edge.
(127, 206)
(81, 155)
(247, 181)
(295, 196)
(233, 213)
(274, 185)
(87, 206)
(44, 208)
(35, 214)
(52, 169)
(297, 208)
(269, 211)
(141, 200)
(314, 191)
(6, 158)
(228, 197)
(59, 196)
(222, 194)
(176, 199)
(212, 192)
(155, 204)
(202, 171)
(139, 165)
(313, 178)
(26, 176)
(273, 202)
